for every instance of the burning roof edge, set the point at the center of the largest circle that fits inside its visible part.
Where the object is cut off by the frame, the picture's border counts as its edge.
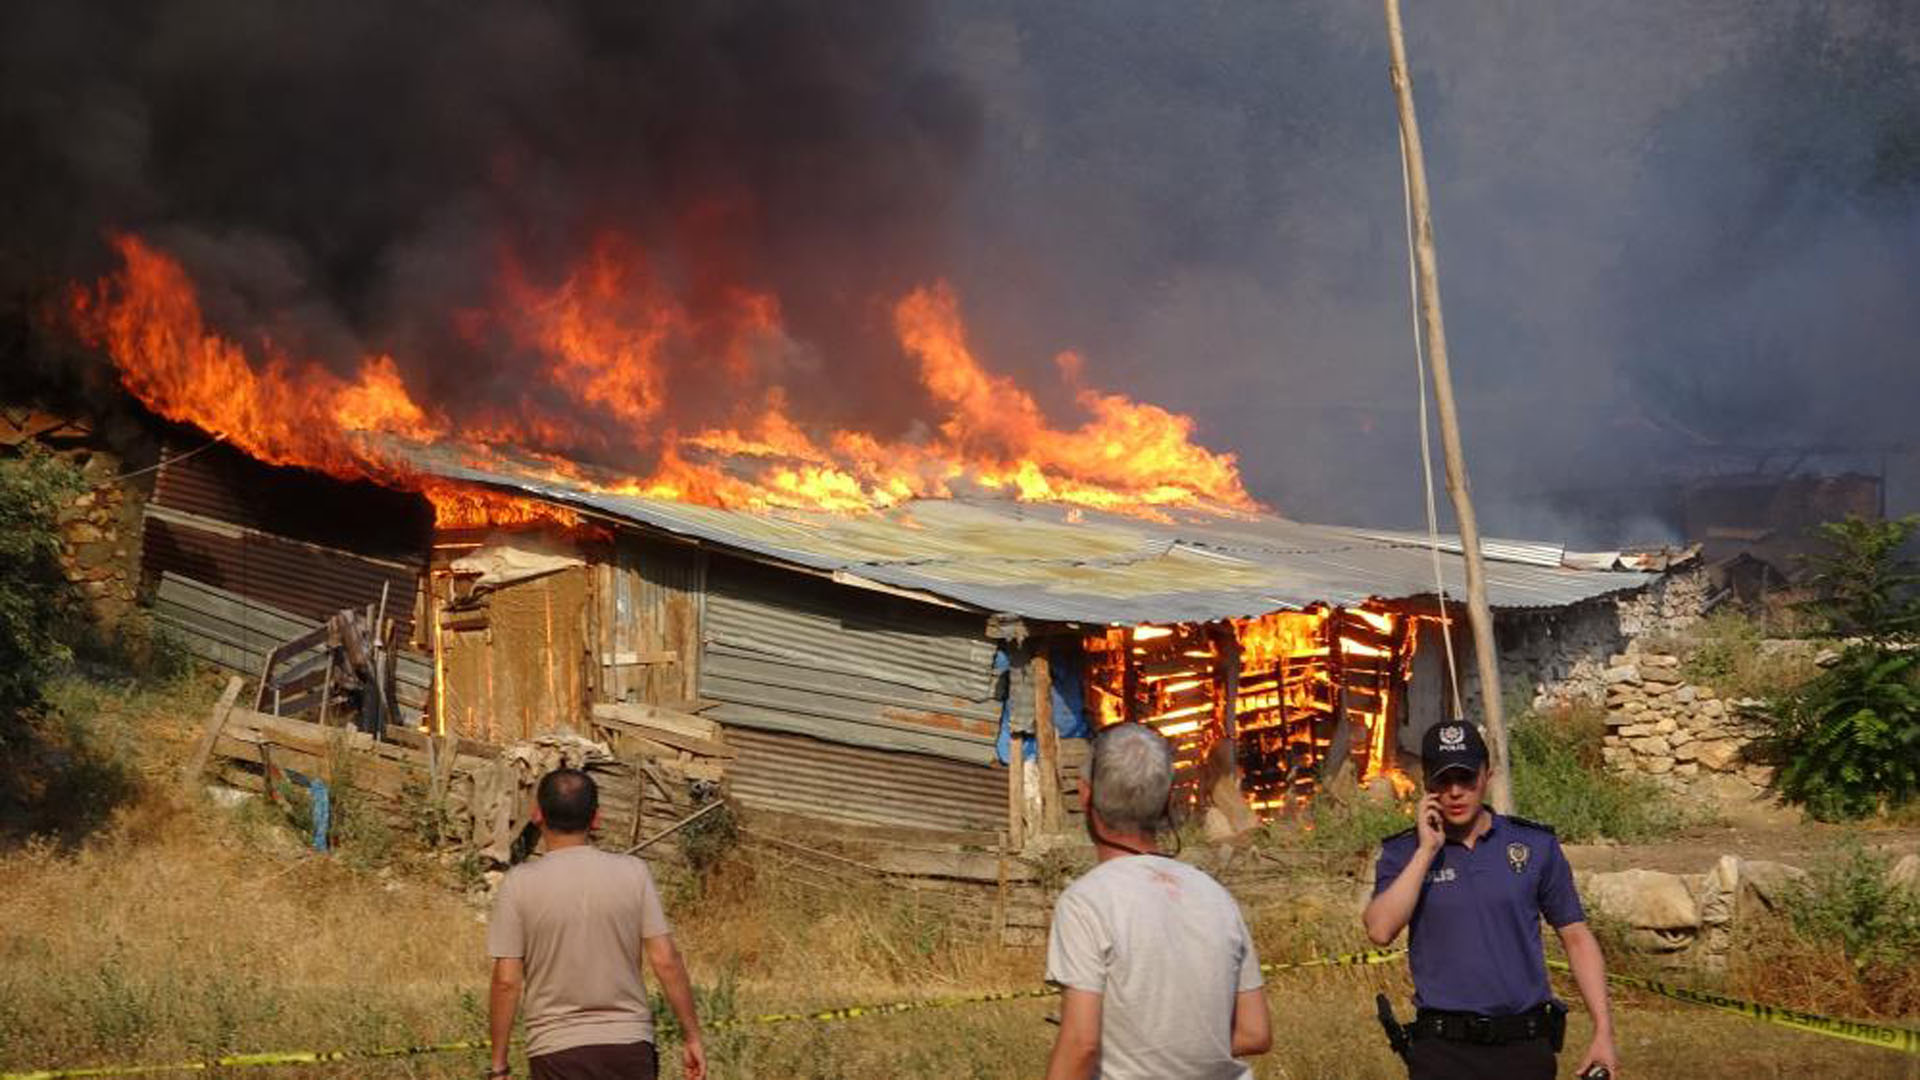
(1050, 563)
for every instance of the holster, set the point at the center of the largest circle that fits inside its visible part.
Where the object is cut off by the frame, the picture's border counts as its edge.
(1556, 1024)
(1396, 1033)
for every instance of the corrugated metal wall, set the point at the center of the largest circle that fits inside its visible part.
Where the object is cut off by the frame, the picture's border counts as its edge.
(308, 581)
(790, 653)
(236, 633)
(222, 484)
(802, 775)
(290, 539)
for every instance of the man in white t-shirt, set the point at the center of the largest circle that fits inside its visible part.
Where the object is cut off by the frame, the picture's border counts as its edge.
(1158, 975)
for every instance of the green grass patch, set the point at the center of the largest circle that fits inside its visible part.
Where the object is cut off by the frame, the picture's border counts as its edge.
(1559, 779)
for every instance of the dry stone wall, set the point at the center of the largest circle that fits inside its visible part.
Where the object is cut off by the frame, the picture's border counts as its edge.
(1683, 735)
(100, 528)
(1562, 655)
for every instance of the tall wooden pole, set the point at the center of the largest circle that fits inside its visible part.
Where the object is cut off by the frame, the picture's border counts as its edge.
(1427, 265)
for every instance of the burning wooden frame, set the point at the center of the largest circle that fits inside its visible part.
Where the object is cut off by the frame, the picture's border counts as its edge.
(1288, 699)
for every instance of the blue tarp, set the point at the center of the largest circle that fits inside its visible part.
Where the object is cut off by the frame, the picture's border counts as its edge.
(1069, 701)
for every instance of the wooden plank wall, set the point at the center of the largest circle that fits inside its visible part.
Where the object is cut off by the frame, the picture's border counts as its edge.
(525, 671)
(647, 612)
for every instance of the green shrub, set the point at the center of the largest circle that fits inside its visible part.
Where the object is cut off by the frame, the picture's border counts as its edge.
(1849, 901)
(36, 601)
(1848, 743)
(1559, 779)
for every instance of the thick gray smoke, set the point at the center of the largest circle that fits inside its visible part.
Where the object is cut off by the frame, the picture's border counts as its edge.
(1670, 233)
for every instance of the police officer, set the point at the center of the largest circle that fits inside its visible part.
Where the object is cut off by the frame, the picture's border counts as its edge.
(1473, 886)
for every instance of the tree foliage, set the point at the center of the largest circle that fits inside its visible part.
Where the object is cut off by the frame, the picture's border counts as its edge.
(1864, 588)
(1848, 742)
(35, 598)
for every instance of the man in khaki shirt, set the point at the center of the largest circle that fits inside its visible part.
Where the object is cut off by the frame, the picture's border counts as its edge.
(569, 930)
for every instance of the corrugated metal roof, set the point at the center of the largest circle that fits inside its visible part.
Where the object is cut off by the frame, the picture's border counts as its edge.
(1048, 562)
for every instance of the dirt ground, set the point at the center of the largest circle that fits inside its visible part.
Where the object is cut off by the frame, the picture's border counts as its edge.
(1783, 838)
(183, 930)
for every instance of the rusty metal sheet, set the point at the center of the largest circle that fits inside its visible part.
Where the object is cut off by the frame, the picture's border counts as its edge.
(802, 775)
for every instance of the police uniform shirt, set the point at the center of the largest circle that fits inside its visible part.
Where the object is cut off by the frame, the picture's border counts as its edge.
(1475, 935)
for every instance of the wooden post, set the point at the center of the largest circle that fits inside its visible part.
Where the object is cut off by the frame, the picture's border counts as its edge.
(1000, 895)
(1017, 791)
(1049, 738)
(1426, 262)
(195, 765)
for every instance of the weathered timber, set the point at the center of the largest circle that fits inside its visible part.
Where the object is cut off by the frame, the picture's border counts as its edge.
(217, 721)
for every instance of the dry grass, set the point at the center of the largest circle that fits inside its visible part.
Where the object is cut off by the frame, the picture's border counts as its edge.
(181, 930)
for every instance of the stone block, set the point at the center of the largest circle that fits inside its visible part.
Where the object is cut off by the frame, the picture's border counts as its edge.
(1637, 731)
(1626, 675)
(1619, 660)
(1633, 706)
(1666, 725)
(1686, 768)
(1644, 899)
(1657, 766)
(1765, 885)
(1713, 707)
(1667, 677)
(1686, 695)
(1684, 749)
(1659, 660)
(1657, 689)
(1905, 873)
(1718, 755)
(1760, 776)
(1651, 746)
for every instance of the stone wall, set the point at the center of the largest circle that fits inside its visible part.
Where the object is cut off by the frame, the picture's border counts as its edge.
(100, 528)
(1560, 656)
(1684, 736)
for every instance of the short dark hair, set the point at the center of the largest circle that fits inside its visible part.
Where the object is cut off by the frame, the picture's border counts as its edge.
(568, 800)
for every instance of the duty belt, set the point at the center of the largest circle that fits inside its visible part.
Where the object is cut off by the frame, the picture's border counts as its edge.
(1536, 1023)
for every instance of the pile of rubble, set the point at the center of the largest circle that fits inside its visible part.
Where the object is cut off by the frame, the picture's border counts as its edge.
(1684, 735)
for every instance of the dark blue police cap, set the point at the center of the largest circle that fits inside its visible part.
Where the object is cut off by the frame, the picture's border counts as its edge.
(1455, 744)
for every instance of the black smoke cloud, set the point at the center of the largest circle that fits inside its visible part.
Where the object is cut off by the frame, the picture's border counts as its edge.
(343, 178)
(1669, 233)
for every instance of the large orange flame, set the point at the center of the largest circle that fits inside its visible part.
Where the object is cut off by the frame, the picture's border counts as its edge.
(609, 337)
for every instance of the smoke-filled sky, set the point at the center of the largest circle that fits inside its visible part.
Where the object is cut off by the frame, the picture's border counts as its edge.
(1668, 232)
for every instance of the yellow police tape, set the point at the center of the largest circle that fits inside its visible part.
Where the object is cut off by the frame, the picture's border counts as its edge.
(850, 1012)
(245, 1061)
(1904, 1040)
(1891, 1038)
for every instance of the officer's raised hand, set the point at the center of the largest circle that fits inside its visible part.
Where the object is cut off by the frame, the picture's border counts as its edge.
(1428, 822)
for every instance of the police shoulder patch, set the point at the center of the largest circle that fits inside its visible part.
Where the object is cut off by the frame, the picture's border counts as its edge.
(1517, 820)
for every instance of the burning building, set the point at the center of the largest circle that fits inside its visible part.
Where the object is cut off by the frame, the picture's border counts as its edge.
(878, 620)
(881, 667)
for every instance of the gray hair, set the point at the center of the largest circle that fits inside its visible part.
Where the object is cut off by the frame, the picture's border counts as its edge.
(1132, 777)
